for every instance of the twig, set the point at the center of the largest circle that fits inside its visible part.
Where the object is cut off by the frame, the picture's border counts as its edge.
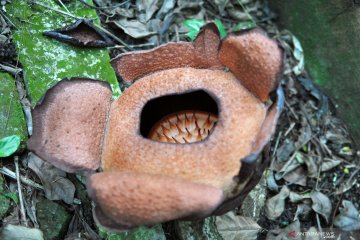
(112, 35)
(91, 6)
(134, 46)
(23, 179)
(22, 209)
(246, 12)
(29, 182)
(54, 9)
(291, 110)
(63, 5)
(7, 19)
(277, 143)
(319, 163)
(11, 70)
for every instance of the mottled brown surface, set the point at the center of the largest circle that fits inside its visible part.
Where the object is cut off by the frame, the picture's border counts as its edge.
(214, 161)
(132, 199)
(207, 44)
(254, 59)
(69, 124)
(202, 54)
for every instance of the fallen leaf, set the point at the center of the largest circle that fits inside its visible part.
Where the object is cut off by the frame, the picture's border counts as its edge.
(298, 54)
(148, 6)
(56, 185)
(285, 150)
(275, 206)
(321, 204)
(237, 13)
(133, 28)
(349, 217)
(244, 25)
(311, 166)
(15, 232)
(346, 186)
(166, 7)
(232, 227)
(9, 145)
(329, 163)
(221, 28)
(296, 197)
(221, 4)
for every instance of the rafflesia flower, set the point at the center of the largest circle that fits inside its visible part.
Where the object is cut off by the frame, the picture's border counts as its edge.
(182, 142)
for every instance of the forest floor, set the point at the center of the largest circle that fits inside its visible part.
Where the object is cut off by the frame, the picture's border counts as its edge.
(311, 188)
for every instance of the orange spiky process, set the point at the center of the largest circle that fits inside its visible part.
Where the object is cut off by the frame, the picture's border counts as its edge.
(184, 127)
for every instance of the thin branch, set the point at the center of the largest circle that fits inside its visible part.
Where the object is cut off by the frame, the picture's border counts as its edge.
(54, 9)
(11, 70)
(22, 209)
(109, 7)
(247, 12)
(23, 179)
(63, 5)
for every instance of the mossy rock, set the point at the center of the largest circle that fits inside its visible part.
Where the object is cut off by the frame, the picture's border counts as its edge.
(12, 121)
(53, 219)
(197, 230)
(4, 201)
(154, 233)
(46, 61)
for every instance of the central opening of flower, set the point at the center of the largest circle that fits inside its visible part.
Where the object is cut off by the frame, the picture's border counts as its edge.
(179, 118)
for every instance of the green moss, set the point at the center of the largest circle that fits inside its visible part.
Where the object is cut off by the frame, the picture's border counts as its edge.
(154, 233)
(197, 230)
(12, 121)
(4, 201)
(53, 219)
(46, 61)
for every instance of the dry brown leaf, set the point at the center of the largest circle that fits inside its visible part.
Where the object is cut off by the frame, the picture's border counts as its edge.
(56, 185)
(321, 204)
(233, 227)
(275, 206)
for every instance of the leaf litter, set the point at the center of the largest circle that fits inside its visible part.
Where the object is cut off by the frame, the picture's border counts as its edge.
(315, 162)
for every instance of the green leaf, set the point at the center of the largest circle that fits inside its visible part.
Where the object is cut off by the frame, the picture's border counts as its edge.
(221, 28)
(244, 25)
(194, 26)
(9, 145)
(13, 196)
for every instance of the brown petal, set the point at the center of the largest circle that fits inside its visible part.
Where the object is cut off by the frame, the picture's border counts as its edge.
(255, 60)
(69, 124)
(202, 54)
(207, 45)
(82, 33)
(252, 167)
(268, 127)
(125, 200)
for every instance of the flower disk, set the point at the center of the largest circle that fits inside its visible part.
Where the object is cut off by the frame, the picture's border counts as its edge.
(184, 127)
